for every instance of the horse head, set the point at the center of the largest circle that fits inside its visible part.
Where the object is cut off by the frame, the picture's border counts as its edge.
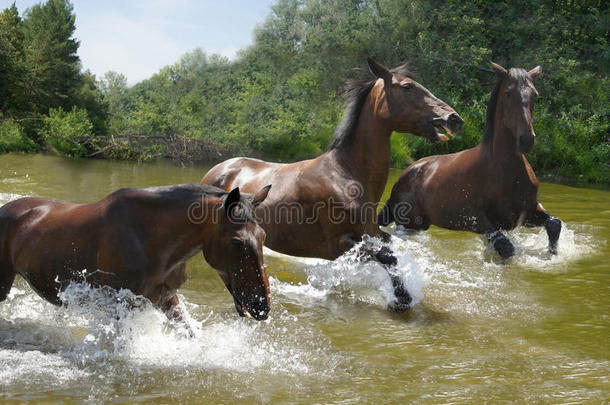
(407, 106)
(236, 252)
(515, 96)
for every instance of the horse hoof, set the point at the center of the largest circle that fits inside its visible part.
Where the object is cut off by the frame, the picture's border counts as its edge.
(385, 256)
(397, 306)
(504, 248)
(403, 298)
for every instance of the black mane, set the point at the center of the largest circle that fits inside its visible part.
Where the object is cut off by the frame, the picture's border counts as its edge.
(190, 191)
(356, 94)
(182, 191)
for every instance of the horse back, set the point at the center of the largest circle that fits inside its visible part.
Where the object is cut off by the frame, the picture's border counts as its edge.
(245, 173)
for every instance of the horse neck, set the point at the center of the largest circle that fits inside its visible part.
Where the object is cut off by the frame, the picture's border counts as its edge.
(367, 156)
(181, 224)
(502, 146)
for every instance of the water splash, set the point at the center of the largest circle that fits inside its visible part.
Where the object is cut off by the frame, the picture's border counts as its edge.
(467, 278)
(101, 331)
(352, 277)
(7, 197)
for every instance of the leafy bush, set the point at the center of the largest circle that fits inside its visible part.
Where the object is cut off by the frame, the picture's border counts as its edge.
(66, 131)
(14, 139)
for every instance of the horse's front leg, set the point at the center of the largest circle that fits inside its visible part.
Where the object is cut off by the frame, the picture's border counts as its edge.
(498, 240)
(540, 217)
(500, 243)
(386, 257)
(171, 309)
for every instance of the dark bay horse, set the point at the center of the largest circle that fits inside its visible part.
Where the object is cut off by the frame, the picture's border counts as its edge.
(488, 188)
(138, 239)
(323, 207)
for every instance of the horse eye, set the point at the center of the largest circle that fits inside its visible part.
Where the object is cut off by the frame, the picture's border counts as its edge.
(236, 242)
(407, 86)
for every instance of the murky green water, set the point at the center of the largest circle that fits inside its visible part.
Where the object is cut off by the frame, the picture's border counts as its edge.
(535, 330)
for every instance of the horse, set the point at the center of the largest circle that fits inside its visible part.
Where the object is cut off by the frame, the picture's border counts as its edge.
(324, 206)
(137, 239)
(485, 189)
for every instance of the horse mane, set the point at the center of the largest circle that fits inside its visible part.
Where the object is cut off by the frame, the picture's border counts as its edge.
(514, 73)
(182, 191)
(186, 192)
(356, 92)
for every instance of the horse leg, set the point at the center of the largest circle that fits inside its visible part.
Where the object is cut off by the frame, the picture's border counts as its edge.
(386, 257)
(540, 217)
(498, 240)
(171, 309)
(501, 243)
(7, 277)
(7, 272)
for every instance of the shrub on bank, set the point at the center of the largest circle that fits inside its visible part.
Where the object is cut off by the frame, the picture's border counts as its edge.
(65, 132)
(14, 139)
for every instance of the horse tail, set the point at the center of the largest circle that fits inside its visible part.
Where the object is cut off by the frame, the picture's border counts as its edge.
(386, 216)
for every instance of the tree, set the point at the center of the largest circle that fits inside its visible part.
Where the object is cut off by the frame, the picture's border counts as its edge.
(52, 65)
(11, 61)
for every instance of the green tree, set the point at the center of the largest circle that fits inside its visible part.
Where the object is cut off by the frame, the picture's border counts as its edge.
(11, 61)
(52, 65)
(113, 87)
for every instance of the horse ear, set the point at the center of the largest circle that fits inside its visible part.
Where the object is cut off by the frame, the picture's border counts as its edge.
(231, 201)
(261, 195)
(380, 71)
(499, 70)
(535, 72)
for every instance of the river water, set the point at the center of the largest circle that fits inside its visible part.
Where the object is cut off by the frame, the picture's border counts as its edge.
(533, 330)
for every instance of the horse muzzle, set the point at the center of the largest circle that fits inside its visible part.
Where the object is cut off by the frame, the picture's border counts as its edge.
(450, 124)
(258, 310)
(526, 143)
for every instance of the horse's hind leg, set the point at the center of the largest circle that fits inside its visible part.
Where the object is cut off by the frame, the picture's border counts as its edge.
(386, 257)
(7, 277)
(540, 217)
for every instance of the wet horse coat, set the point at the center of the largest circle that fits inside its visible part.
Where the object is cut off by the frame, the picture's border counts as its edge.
(485, 189)
(138, 239)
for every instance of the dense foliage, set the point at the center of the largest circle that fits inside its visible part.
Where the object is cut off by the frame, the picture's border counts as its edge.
(281, 98)
(40, 76)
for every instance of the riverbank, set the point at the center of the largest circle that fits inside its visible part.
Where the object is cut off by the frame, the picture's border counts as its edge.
(192, 153)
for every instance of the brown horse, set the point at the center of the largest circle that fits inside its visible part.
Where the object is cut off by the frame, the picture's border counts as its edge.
(137, 239)
(488, 188)
(323, 207)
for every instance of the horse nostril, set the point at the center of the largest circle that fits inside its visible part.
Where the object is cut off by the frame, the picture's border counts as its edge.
(455, 120)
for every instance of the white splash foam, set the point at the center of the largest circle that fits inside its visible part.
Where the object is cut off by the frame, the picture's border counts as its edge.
(7, 197)
(352, 277)
(575, 242)
(100, 327)
(467, 278)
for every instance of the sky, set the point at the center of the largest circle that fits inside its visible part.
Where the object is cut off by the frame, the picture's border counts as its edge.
(139, 37)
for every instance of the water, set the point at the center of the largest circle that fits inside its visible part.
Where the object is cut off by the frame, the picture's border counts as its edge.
(536, 329)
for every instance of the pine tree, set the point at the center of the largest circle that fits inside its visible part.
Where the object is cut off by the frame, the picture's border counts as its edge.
(52, 65)
(11, 61)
